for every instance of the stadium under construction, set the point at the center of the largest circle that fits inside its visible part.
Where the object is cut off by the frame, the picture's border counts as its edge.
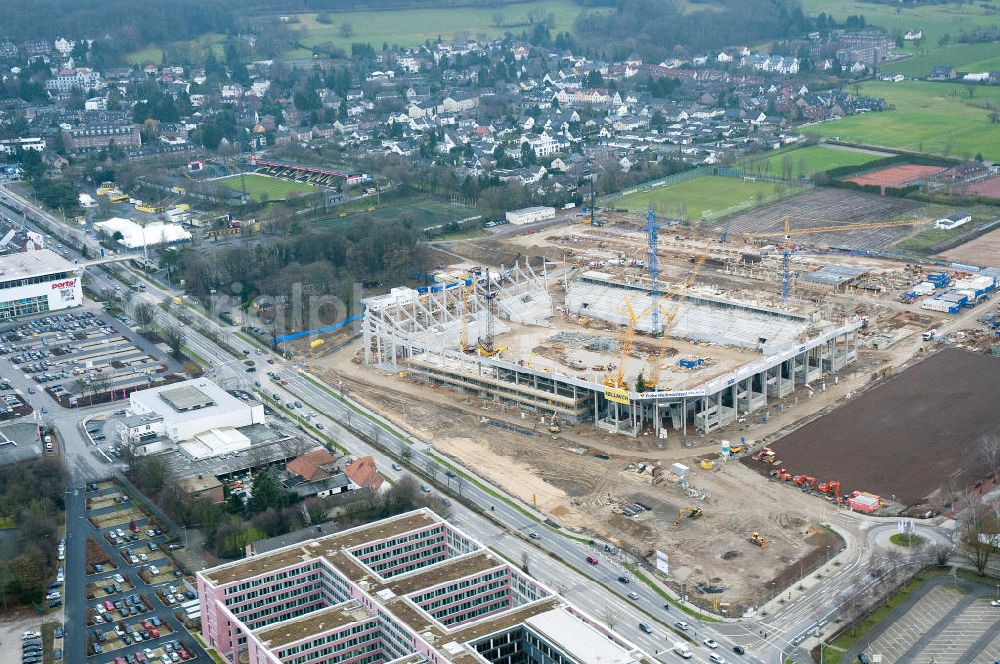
(612, 347)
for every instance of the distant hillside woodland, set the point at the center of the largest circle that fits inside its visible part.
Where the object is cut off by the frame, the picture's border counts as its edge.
(652, 28)
(657, 29)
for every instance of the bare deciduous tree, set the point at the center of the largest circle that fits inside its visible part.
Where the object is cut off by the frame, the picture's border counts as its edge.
(979, 542)
(940, 554)
(989, 454)
(610, 616)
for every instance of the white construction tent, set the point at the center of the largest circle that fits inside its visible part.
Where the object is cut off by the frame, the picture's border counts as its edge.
(135, 236)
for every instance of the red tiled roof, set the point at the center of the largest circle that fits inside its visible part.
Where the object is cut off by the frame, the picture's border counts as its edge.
(309, 466)
(364, 473)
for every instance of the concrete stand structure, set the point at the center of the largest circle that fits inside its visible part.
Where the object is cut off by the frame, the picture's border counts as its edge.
(723, 359)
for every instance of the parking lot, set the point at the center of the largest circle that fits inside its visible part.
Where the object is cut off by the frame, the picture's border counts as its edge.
(81, 357)
(948, 621)
(134, 592)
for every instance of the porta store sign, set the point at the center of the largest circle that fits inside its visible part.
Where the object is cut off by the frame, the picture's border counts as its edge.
(64, 284)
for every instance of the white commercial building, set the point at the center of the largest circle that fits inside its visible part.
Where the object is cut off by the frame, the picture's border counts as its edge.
(33, 282)
(135, 236)
(197, 415)
(531, 215)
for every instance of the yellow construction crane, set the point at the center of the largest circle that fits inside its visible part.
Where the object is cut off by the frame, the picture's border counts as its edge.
(838, 228)
(618, 380)
(654, 374)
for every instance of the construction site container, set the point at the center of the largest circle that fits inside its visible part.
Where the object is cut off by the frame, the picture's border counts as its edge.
(924, 288)
(680, 469)
(977, 286)
(939, 279)
(530, 215)
(953, 296)
(865, 504)
(940, 306)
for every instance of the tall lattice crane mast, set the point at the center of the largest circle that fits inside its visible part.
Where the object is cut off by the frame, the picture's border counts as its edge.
(653, 265)
(486, 344)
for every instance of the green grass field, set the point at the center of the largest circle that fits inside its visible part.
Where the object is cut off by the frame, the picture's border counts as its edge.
(813, 159)
(272, 188)
(409, 27)
(197, 47)
(939, 118)
(692, 198)
(964, 57)
(935, 20)
(423, 211)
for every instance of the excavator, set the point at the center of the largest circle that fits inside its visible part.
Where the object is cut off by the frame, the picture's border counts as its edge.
(758, 539)
(690, 512)
(805, 481)
(830, 489)
(781, 474)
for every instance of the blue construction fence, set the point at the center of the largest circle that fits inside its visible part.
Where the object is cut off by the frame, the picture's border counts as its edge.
(320, 330)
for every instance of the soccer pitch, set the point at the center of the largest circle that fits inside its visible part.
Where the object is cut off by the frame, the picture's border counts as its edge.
(272, 189)
(807, 161)
(691, 199)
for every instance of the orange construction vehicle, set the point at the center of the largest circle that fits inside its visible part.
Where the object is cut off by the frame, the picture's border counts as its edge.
(805, 481)
(782, 474)
(764, 451)
(830, 488)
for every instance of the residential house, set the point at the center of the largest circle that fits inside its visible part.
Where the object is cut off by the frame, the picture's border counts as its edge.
(363, 473)
(543, 145)
(459, 101)
(942, 73)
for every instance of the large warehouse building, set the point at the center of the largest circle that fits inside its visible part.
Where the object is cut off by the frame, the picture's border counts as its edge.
(33, 282)
(197, 415)
(411, 588)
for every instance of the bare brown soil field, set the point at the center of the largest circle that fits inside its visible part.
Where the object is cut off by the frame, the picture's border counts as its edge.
(983, 250)
(908, 436)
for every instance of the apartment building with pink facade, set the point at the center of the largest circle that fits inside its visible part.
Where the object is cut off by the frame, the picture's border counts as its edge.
(410, 588)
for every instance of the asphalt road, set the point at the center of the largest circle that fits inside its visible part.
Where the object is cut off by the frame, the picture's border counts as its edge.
(555, 559)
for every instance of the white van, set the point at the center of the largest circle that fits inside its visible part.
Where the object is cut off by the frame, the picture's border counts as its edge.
(681, 649)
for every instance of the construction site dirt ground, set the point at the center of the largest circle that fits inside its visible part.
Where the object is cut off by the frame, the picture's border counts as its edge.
(563, 478)
(983, 250)
(908, 436)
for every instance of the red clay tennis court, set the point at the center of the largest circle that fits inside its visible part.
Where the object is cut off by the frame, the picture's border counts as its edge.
(897, 176)
(989, 188)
